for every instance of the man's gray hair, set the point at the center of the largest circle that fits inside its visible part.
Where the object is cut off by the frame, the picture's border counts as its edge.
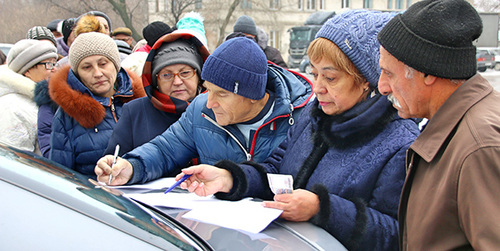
(410, 73)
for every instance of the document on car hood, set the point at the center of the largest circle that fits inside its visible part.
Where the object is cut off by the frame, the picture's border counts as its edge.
(246, 214)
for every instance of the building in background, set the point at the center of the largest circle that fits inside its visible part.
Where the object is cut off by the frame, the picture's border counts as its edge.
(276, 17)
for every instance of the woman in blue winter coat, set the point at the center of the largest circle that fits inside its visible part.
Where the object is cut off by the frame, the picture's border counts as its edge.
(172, 79)
(90, 94)
(347, 151)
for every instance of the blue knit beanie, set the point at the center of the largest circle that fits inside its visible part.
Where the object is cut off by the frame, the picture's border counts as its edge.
(355, 33)
(238, 65)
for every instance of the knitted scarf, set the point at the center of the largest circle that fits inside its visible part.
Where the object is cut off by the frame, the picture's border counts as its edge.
(166, 103)
(352, 128)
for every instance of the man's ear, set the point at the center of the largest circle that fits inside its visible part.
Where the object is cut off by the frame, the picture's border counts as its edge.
(429, 79)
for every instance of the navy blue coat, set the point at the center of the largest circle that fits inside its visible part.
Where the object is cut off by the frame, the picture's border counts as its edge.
(140, 122)
(46, 110)
(83, 123)
(197, 134)
(354, 162)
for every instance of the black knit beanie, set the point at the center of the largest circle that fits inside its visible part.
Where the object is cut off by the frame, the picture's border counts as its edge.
(435, 37)
(154, 31)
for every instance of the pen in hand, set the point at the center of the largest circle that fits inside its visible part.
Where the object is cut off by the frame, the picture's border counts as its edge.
(185, 177)
(115, 156)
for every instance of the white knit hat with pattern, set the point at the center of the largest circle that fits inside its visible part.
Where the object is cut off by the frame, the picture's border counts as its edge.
(90, 44)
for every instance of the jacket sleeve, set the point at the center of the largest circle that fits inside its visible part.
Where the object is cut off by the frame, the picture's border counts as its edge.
(61, 150)
(167, 153)
(477, 198)
(45, 116)
(18, 125)
(122, 134)
(361, 224)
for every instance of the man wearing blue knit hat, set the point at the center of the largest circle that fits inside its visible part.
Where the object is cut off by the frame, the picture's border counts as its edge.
(246, 113)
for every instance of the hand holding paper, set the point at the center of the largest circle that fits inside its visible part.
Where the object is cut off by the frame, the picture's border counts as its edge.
(280, 183)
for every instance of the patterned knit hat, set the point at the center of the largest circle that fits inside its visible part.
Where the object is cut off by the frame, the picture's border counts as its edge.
(435, 37)
(90, 44)
(28, 52)
(40, 33)
(355, 33)
(193, 23)
(245, 24)
(238, 65)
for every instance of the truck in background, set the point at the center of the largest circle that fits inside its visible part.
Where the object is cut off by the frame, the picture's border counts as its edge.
(490, 35)
(301, 36)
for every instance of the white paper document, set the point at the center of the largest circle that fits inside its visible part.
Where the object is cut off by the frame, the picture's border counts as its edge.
(245, 215)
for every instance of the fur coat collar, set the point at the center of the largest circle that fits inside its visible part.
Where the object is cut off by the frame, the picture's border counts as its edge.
(14, 83)
(79, 103)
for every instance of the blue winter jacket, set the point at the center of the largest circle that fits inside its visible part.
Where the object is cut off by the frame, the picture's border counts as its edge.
(197, 134)
(354, 163)
(46, 110)
(83, 123)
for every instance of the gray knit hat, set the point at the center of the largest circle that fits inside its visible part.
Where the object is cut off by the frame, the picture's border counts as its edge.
(180, 51)
(26, 53)
(39, 33)
(245, 24)
(90, 44)
(435, 37)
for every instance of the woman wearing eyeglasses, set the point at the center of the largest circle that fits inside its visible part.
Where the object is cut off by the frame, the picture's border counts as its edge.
(171, 77)
(90, 93)
(28, 62)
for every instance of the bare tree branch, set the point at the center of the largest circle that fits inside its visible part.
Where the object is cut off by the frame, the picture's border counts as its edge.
(226, 21)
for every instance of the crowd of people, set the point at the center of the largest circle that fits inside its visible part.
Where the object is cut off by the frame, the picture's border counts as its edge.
(74, 90)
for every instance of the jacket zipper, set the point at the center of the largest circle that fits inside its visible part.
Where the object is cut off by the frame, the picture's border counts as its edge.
(113, 109)
(248, 155)
(291, 121)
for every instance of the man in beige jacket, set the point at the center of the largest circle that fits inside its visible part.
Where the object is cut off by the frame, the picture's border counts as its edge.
(450, 198)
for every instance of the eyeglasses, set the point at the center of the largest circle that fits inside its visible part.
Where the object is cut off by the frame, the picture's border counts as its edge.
(169, 76)
(48, 65)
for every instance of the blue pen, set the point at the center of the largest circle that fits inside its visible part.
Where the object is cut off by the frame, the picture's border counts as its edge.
(185, 177)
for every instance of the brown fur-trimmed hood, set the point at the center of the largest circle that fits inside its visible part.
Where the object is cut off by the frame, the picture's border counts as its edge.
(87, 111)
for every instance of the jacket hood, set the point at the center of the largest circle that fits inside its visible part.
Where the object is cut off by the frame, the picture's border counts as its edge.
(291, 88)
(12, 82)
(79, 103)
(147, 70)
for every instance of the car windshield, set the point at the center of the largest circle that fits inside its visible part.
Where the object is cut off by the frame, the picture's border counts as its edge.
(78, 192)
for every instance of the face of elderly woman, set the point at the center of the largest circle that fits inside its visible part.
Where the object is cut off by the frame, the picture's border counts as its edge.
(179, 81)
(335, 90)
(98, 74)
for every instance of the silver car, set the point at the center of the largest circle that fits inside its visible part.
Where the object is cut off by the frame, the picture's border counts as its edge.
(46, 206)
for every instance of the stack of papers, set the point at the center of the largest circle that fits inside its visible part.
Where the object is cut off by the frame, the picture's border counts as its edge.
(246, 214)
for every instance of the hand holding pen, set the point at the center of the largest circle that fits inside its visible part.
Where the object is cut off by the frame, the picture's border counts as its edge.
(115, 156)
(205, 180)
